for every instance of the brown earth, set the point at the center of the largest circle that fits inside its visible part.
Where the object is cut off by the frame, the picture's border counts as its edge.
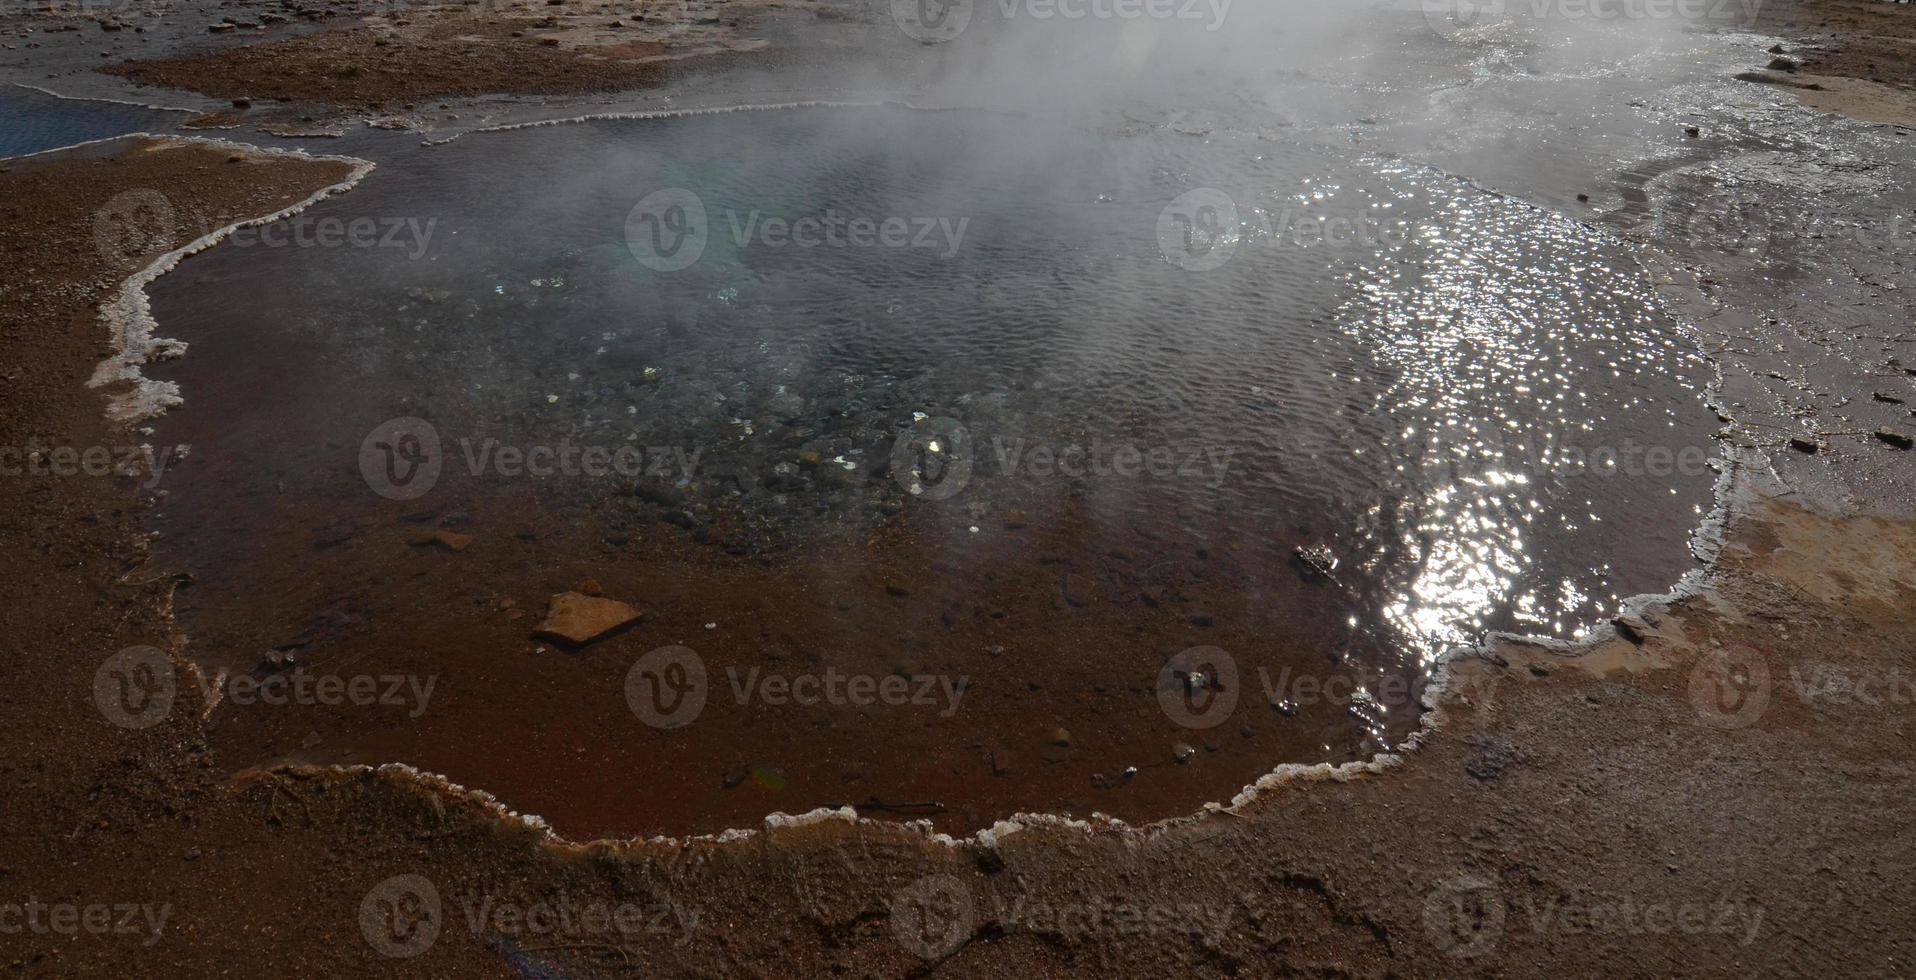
(1867, 39)
(432, 52)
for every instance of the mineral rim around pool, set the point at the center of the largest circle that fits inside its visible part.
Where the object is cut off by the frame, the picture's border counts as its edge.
(956, 465)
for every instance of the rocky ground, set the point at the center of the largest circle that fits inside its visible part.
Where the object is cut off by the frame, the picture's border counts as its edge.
(1711, 789)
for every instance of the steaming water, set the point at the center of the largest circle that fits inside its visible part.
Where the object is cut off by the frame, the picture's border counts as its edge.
(1439, 397)
(1079, 418)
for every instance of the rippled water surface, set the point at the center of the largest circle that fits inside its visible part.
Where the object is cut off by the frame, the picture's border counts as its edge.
(1077, 416)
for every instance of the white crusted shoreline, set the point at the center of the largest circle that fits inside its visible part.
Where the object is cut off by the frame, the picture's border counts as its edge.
(129, 314)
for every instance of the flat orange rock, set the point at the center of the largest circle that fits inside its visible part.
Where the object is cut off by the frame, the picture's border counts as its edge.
(579, 619)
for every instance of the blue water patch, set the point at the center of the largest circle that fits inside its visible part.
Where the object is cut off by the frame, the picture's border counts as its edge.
(31, 122)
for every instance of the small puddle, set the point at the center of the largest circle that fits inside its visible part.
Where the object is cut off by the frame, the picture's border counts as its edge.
(963, 463)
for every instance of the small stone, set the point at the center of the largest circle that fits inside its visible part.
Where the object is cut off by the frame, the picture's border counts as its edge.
(1015, 518)
(731, 780)
(449, 540)
(242, 103)
(1886, 397)
(1781, 64)
(1061, 738)
(580, 619)
(1692, 131)
(1078, 590)
(1632, 628)
(1895, 437)
(590, 587)
(1182, 752)
(1804, 444)
(1583, 198)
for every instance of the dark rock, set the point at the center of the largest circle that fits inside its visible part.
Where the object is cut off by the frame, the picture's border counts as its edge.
(1494, 756)
(990, 861)
(1078, 590)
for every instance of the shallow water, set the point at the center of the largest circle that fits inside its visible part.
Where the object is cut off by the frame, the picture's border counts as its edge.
(1075, 420)
(31, 122)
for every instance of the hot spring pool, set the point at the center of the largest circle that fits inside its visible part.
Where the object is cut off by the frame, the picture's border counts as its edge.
(1026, 410)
